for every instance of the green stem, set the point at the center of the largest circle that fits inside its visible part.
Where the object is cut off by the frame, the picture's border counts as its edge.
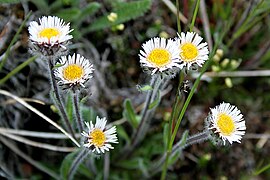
(14, 39)
(194, 15)
(171, 121)
(262, 169)
(17, 69)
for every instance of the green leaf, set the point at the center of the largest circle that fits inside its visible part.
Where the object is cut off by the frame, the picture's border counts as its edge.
(130, 114)
(17, 69)
(184, 138)
(144, 88)
(9, 1)
(67, 162)
(14, 39)
(262, 169)
(124, 11)
(176, 155)
(122, 133)
(42, 5)
(134, 163)
(70, 14)
(165, 135)
(88, 113)
(57, 66)
(69, 107)
(155, 102)
(89, 10)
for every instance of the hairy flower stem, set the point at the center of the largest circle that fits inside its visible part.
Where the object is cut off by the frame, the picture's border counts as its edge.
(59, 101)
(77, 161)
(106, 167)
(197, 138)
(77, 111)
(146, 114)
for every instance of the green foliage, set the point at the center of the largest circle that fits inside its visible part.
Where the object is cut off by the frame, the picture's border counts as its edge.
(174, 157)
(13, 41)
(122, 134)
(155, 102)
(145, 88)
(123, 11)
(17, 69)
(262, 169)
(258, 12)
(69, 107)
(165, 135)
(67, 162)
(130, 114)
(77, 15)
(9, 1)
(42, 5)
(88, 113)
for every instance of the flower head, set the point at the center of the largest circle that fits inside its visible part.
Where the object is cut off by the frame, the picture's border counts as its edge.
(99, 138)
(74, 72)
(49, 35)
(227, 122)
(160, 55)
(192, 51)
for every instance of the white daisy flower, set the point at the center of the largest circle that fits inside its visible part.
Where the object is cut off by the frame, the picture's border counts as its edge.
(49, 31)
(227, 121)
(74, 72)
(99, 138)
(192, 51)
(160, 55)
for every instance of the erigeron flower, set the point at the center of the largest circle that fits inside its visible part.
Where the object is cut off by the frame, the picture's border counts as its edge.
(192, 51)
(227, 122)
(160, 55)
(99, 138)
(74, 71)
(49, 36)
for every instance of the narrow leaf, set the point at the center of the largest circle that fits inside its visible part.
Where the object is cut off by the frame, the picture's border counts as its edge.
(129, 113)
(155, 102)
(67, 162)
(144, 88)
(165, 135)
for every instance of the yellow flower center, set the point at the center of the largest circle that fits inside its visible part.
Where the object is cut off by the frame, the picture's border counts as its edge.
(49, 33)
(189, 52)
(73, 72)
(226, 124)
(98, 137)
(159, 57)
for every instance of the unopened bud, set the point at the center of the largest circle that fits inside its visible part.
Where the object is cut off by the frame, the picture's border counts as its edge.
(225, 62)
(228, 82)
(220, 53)
(112, 17)
(235, 63)
(216, 58)
(215, 68)
(120, 27)
(164, 34)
